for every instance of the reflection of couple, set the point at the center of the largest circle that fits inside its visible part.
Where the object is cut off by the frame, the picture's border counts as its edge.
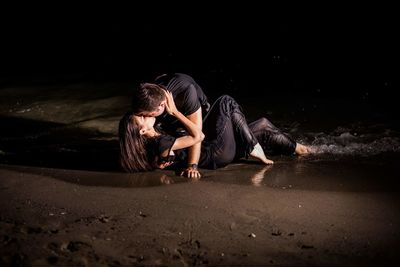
(171, 125)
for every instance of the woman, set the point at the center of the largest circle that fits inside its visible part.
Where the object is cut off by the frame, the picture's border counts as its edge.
(226, 137)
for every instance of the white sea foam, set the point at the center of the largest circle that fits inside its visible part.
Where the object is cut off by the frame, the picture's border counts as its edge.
(348, 143)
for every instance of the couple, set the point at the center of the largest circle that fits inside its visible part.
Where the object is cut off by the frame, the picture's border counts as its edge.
(171, 125)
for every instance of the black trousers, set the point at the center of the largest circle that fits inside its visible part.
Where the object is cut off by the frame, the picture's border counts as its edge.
(228, 136)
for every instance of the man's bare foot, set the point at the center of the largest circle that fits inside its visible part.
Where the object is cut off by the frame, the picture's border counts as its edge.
(258, 153)
(302, 149)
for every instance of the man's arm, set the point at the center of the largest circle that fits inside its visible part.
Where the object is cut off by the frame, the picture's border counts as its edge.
(194, 151)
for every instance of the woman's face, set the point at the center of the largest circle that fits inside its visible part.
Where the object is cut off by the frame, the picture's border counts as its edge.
(146, 125)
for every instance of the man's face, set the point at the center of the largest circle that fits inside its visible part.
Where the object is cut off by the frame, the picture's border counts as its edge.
(155, 113)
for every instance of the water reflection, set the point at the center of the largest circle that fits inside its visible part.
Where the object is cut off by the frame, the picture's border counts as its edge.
(109, 179)
(353, 174)
(258, 177)
(249, 173)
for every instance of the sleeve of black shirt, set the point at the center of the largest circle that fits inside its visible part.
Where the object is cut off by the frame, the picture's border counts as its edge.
(190, 103)
(165, 142)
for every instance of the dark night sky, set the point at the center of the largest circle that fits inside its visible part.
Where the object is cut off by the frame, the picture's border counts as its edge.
(330, 51)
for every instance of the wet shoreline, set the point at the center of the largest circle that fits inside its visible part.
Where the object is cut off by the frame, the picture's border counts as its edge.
(65, 201)
(51, 220)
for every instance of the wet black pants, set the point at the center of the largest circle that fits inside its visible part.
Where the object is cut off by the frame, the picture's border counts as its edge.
(229, 137)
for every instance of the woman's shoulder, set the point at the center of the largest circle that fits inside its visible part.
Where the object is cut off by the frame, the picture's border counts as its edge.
(163, 142)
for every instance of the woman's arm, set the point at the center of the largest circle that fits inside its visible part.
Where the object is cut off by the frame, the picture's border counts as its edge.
(195, 134)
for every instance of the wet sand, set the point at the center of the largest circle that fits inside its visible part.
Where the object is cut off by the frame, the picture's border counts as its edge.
(64, 202)
(58, 217)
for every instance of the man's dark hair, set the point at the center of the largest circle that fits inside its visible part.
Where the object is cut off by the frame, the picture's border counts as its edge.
(147, 98)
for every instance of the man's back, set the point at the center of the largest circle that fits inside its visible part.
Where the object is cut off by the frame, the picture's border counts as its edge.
(188, 97)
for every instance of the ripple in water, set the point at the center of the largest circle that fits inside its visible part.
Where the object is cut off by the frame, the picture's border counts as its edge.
(343, 141)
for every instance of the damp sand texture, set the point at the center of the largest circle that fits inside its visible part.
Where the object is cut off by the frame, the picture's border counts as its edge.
(64, 202)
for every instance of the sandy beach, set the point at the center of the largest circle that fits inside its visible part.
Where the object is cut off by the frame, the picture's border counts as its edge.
(50, 221)
(326, 75)
(64, 202)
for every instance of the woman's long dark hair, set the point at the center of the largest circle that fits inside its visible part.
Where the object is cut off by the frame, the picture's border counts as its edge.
(134, 156)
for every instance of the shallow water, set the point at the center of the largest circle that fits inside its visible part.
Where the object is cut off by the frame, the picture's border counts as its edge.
(313, 173)
(70, 132)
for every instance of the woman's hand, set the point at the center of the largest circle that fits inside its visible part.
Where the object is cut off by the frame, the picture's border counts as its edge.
(170, 105)
(165, 165)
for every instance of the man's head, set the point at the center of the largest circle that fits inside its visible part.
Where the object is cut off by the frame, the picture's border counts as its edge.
(149, 100)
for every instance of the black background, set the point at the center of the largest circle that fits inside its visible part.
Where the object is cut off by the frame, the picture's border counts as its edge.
(329, 51)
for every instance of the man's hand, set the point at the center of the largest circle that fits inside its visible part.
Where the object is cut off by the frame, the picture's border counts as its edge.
(191, 172)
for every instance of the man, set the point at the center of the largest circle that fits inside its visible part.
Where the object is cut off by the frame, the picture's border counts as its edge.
(189, 98)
